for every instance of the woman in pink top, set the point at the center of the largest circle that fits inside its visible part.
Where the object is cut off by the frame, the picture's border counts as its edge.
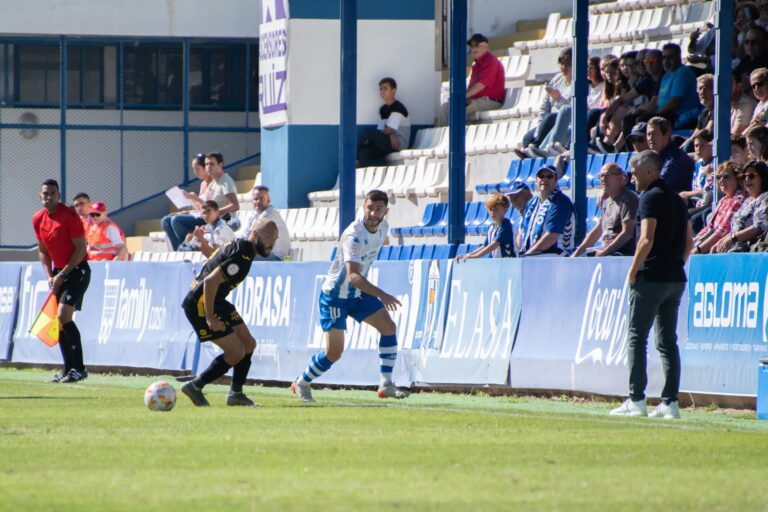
(729, 184)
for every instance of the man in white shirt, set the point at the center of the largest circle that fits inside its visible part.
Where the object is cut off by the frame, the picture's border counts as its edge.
(262, 203)
(222, 189)
(393, 131)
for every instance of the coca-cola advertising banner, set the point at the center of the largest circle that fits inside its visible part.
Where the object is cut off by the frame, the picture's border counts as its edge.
(727, 323)
(573, 327)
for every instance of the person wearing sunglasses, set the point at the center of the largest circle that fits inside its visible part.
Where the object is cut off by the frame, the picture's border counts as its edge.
(105, 239)
(759, 83)
(728, 181)
(751, 220)
(644, 95)
(677, 100)
(548, 222)
(755, 55)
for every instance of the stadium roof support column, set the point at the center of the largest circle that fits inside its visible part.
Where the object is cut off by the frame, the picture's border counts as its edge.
(722, 120)
(579, 115)
(457, 118)
(347, 113)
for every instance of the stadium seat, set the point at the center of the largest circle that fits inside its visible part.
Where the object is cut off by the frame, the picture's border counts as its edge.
(428, 252)
(444, 252)
(417, 252)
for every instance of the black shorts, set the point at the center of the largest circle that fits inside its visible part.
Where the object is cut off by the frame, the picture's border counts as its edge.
(223, 310)
(75, 285)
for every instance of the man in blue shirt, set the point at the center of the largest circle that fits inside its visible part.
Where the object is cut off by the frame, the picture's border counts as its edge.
(676, 165)
(500, 240)
(548, 221)
(677, 100)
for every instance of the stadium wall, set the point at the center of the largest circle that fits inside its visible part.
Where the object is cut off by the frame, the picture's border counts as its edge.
(394, 39)
(547, 323)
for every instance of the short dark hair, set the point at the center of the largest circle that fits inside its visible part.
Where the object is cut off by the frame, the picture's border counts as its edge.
(81, 195)
(629, 55)
(389, 81)
(377, 195)
(213, 205)
(761, 169)
(739, 140)
(260, 188)
(565, 57)
(759, 133)
(50, 182)
(704, 135)
(662, 123)
(199, 159)
(758, 29)
(672, 47)
(215, 156)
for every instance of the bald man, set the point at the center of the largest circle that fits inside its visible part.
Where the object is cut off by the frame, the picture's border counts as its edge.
(216, 320)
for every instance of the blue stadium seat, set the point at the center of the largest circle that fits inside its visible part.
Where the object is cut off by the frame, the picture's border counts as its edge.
(444, 252)
(512, 174)
(429, 252)
(593, 181)
(461, 250)
(417, 252)
(565, 181)
(384, 252)
(622, 160)
(537, 164)
(430, 211)
(394, 252)
(333, 253)
(405, 252)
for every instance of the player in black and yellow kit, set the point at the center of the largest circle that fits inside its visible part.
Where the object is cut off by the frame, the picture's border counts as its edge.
(214, 319)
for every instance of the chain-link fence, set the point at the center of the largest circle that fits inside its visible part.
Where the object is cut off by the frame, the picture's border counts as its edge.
(135, 111)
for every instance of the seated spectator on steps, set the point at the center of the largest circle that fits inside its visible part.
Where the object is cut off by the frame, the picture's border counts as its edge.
(676, 165)
(759, 81)
(500, 240)
(105, 239)
(486, 83)
(178, 225)
(214, 234)
(728, 178)
(742, 107)
(739, 149)
(262, 203)
(548, 222)
(222, 189)
(616, 229)
(394, 129)
(705, 88)
(757, 143)
(637, 139)
(699, 198)
(677, 100)
(755, 54)
(751, 220)
(558, 97)
(644, 95)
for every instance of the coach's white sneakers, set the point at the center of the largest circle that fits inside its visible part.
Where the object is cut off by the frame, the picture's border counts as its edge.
(631, 408)
(302, 390)
(669, 411)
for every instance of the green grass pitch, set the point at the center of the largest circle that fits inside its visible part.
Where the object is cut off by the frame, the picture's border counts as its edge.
(96, 447)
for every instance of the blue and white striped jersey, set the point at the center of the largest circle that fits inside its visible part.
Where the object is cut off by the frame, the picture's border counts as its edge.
(357, 245)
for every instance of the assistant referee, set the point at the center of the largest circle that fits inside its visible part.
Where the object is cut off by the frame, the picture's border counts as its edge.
(63, 252)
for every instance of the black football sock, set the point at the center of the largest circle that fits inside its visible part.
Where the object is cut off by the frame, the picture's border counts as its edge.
(216, 369)
(240, 373)
(65, 351)
(75, 346)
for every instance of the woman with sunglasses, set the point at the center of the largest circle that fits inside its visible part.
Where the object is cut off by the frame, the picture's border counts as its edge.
(729, 184)
(751, 220)
(758, 80)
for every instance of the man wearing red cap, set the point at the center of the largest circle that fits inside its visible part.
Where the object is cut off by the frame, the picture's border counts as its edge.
(62, 250)
(106, 240)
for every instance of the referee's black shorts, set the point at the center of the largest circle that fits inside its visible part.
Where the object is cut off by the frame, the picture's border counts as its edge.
(75, 285)
(223, 310)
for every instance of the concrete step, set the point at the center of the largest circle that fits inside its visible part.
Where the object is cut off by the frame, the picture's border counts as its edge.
(145, 227)
(247, 172)
(244, 186)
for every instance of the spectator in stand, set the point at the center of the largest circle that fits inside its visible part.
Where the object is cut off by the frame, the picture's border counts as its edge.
(548, 222)
(746, 14)
(728, 179)
(756, 55)
(558, 97)
(699, 198)
(500, 240)
(759, 82)
(705, 87)
(616, 229)
(742, 107)
(178, 225)
(213, 235)
(751, 220)
(81, 203)
(519, 197)
(757, 143)
(486, 83)
(596, 83)
(647, 89)
(739, 149)
(701, 49)
(393, 132)
(222, 189)
(105, 239)
(262, 203)
(613, 117)
(677, 166)
(762, 19)
(656, 281)
(637, 138)
(677, 101)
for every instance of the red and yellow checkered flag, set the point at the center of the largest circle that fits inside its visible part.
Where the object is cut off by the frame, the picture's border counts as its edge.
(46, 325)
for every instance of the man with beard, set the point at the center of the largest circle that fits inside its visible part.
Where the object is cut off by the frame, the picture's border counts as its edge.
(347, 292)
(215, 319)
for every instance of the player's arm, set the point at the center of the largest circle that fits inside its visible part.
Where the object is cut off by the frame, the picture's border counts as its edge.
(359, 281)
(210, 287)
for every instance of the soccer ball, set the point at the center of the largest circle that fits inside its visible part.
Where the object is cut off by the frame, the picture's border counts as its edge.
(160, 396)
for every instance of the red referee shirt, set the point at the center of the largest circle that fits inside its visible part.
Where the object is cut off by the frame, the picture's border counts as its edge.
(56, 232)
(489, 71)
